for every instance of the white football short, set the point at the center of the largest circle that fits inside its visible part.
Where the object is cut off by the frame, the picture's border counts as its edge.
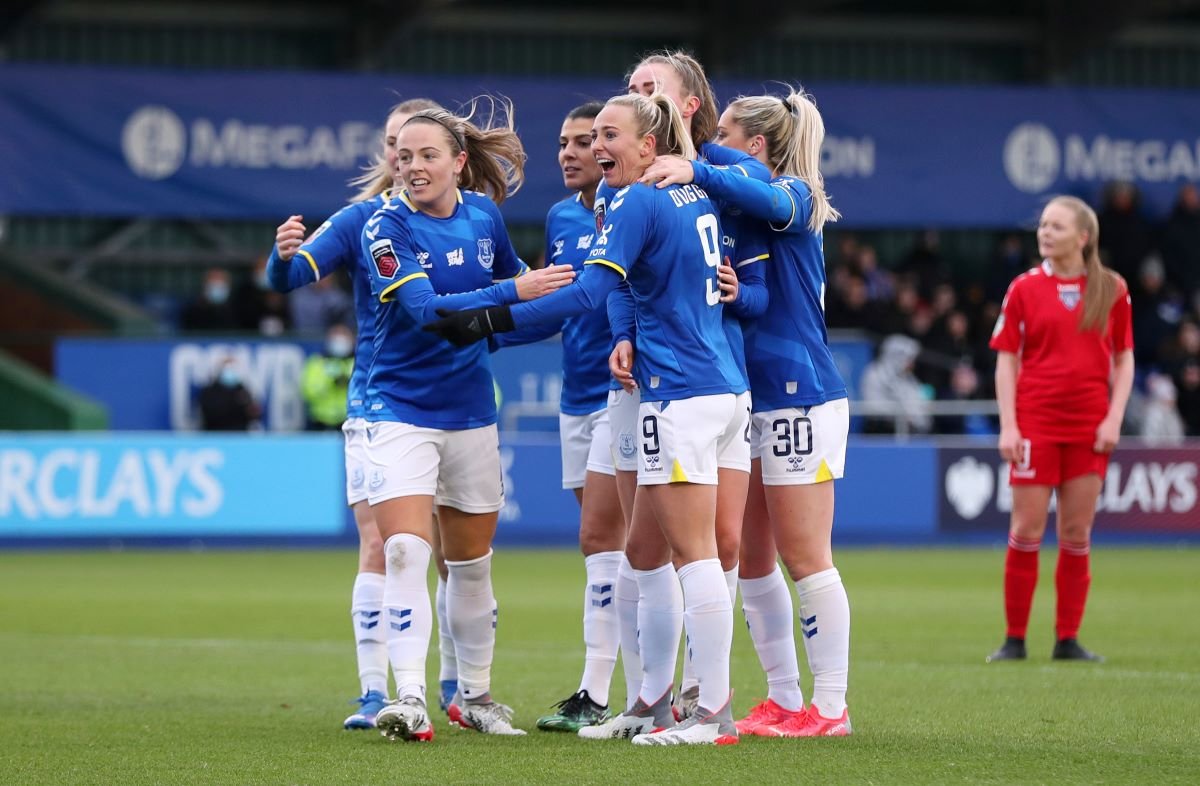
(355, 432)
(585, 442)
(678, 440)
(623, 424)
(733, 451)
(460, 468)
(801, 445)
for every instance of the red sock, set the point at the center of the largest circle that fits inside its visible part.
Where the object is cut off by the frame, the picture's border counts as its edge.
(1072, 579)
(1020, 579)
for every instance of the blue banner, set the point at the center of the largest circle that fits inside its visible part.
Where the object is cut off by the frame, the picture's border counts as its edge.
(161, 486)
(237, 490)
(152, 384)
(265, 145)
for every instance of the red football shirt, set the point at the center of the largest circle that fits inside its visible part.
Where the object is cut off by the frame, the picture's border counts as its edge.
(1064, 374)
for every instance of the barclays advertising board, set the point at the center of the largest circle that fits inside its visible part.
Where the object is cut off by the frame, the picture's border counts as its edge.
(1147, 490)
(159, 486)
(237, 145)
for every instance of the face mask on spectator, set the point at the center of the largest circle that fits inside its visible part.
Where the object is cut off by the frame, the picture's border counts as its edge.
(216, 292)
(339, 346)
(229, 377)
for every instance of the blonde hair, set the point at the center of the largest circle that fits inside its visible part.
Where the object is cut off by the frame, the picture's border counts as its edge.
(377, 176)
(495, 157)
(794, 131)
(695, 83)
(657, 115)
(1101, 288)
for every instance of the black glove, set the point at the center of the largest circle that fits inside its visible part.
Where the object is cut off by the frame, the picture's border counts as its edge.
(463, 328)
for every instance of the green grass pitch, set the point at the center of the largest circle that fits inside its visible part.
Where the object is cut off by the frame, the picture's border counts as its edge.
(237, 668)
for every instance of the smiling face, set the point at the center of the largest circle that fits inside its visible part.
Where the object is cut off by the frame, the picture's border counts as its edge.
(428, 166)
(579, 167)
(622, 154)
(390, 133)
(1059, 236)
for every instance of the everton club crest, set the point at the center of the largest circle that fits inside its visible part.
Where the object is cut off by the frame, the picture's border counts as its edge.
(599, 212)
(486, 253)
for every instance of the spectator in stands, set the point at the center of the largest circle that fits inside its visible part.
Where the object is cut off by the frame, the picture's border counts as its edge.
(924, 263)
(964, 385)
(952, 342)
(259, 308)
(1181, 242)
(1009, 262)
(225, 403)
(1187, 384)
(847, 305)
(211, 310)
(897, 316)
(1184, 348)
(326, 378)
(889, 380)
(1161, 421)
(1127, 234)
(321, 305)
(1157, 311)
(880, 283)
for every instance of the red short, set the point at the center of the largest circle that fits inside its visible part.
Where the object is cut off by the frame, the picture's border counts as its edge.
(1047, 463)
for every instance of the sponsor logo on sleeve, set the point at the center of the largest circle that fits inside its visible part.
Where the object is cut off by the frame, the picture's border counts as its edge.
(384, 258)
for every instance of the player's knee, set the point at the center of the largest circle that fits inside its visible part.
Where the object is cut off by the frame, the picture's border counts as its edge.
(729, 545)
(400, 550)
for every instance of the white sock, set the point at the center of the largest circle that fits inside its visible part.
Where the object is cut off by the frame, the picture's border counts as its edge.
(601, 631)
(660, 621)
(689, 679)
(708, 617)
(370, 639)
(767, 604)
(627, 618)
(447, 660)
(406, 611)
(825, 623)
(471, 608)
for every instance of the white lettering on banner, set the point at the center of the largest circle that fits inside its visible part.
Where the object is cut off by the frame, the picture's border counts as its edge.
(846, 156)
(1032, 158)
(1151, 160)
(65, 482)
(1148, 487)
(253, 146)
(271, 372)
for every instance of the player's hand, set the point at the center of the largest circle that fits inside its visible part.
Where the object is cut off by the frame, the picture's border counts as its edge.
(620, 365)
(1010, 445)
(463, 328)
(669, 171)
(537, 283)
(727, 280)
(289, 236)
(1108, 433)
